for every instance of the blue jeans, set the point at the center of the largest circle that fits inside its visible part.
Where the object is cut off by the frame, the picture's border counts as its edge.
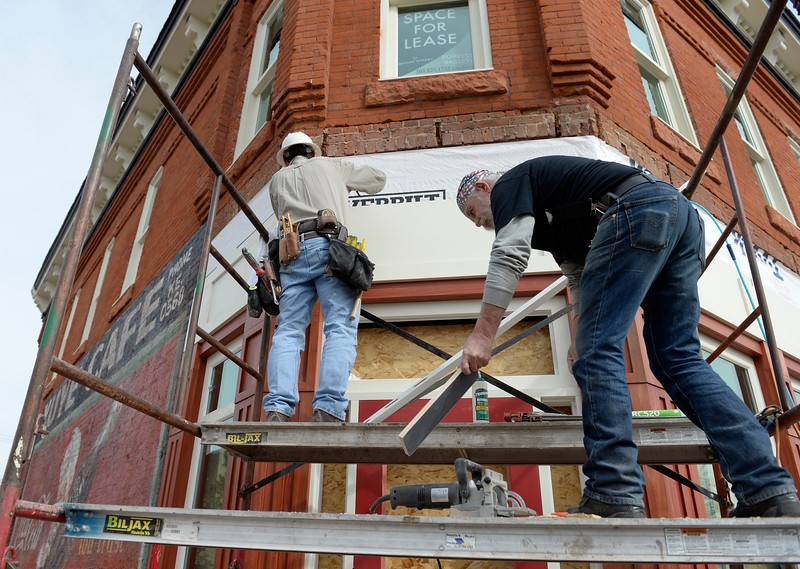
(304, 281)
(649, 251)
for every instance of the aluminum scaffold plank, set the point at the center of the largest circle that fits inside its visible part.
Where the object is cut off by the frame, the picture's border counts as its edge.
(758, 540)
(554, 440)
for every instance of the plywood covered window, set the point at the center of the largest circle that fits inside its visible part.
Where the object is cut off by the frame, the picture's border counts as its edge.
(385, 355)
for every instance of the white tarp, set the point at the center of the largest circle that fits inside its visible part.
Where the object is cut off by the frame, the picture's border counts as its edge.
(414, 230)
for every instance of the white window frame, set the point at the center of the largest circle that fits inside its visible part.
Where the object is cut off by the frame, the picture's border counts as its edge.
(743, 361)
(479, 27)
(759, 156)
(98, 288)
(141, 232)
(795, 146)
(220, 415)
(67, 329)
(258, 80)
(664, 73)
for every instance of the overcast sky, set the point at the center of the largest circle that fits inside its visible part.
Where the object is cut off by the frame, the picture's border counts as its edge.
(58, 60)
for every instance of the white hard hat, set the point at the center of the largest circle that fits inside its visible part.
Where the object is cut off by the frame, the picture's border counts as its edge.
(294, 138)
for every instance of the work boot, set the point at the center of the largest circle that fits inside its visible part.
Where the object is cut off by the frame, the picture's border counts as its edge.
(780, 506)
(320, 416)
(598, 508)
(275, 417)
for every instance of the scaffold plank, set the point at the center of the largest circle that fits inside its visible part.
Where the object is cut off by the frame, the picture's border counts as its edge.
(759, 540)
(557, 440)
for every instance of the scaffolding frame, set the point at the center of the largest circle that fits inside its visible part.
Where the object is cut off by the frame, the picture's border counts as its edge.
(21, 453)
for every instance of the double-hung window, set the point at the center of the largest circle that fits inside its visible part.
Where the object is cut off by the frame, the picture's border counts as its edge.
(98, 288)
(430, 38)
(261, 80)
(658, 77)
(141, 231)
(757, 150)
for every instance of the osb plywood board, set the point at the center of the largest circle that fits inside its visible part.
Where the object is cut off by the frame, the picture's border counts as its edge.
(333, 500)
(566, 492)
(384, 354)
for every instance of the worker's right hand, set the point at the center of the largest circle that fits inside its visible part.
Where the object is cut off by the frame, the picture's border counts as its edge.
(477, 353)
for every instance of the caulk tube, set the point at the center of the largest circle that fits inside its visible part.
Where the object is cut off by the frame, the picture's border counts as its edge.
(480, 400)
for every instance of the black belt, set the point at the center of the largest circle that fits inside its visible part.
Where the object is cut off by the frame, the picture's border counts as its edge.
(306, 225)
(624, 187)
(306, 235)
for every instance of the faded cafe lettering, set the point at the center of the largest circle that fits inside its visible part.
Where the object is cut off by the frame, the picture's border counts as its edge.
(161, 304)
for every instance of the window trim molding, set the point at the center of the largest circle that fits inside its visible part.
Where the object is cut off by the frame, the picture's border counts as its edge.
(98, 289)
(481, 43)
(795, 146)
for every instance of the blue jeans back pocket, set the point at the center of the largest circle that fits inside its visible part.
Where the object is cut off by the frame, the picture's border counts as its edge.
(651, 223)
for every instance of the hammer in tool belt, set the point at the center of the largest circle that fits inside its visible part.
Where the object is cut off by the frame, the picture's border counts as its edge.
(265, 272)
(360, 245)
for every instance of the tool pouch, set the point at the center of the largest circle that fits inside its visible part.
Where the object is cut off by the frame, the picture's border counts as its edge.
(289, 248)
(326, 221)
(350, 265)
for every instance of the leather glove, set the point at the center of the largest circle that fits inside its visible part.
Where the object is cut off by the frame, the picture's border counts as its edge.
(267, 302)
(253, 302)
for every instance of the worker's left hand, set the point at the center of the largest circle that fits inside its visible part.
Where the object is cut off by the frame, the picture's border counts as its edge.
(477, 353)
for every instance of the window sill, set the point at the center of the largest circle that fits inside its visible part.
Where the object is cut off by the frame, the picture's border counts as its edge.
(435, 87)
(685, 149)
(81, 350)
(782, 224)
(119, 304)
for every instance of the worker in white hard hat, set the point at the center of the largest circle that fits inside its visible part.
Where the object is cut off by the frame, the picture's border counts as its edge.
(307, 184)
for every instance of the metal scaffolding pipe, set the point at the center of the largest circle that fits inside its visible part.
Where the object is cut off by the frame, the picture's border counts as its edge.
(194, 316)
(111, 391)
(748, 69)
(184, 125)
(229, 354)
(228, 267)
(22, 445)
(735, 334)
(721, 241)
(766, 319)
(42, 512)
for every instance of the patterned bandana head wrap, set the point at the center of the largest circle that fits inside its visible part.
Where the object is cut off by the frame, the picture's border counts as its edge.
(467, 186)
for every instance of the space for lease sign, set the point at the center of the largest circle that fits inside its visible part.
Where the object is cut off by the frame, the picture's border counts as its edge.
(434, 40)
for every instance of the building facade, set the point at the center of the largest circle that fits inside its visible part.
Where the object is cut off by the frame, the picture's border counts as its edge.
(425, 91)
